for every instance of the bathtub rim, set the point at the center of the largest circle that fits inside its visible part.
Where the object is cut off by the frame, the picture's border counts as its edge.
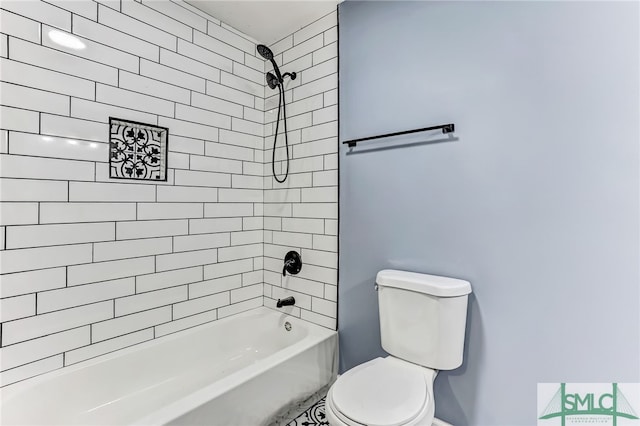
(14, 389)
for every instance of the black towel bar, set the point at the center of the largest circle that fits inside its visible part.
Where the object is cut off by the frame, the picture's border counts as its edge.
(446, 128)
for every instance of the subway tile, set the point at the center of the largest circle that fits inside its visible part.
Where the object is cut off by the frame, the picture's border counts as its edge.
(134, 27)
(325, 115)
(102, 175)
(131, 248)
(295, 283)
(224, 92)
(282, 45)
(178, 160)
(293, 239)
(44, 257)
(248, 73)
(186, 194)
(34, 99)
(24, 51)
(273, 223)
(12, 308)
(319, 319)
(316, 210)
(151, 228)
(156, 19)
(252, 168)
(203, 55)
(44, 79)
(167, 262)
(96, 111)
(189, 65)
(202, 116)
(246, 237)
(19, 119)
(325, 136)
(326, 53)
(169, 210)
(32, 190)
(236, 308)
(55, 147)
(252, 223)
(325, 242)
(241, 139)
(184, 323)
(153, 299)
(278, 209)
(213, 149)
(129, 323)
(254, 277)
(32, 281)
(248, 182)
(318, 273)
(19, 26)
(241, 84)
(327, 194)
(33, 350)
(282, 195)
(31, 369)
(188, 129)
(213, 164)
(218, 47)
(201, 241)
(303, 48)
(315, 226)
(73, 128)
(231, 38)
(121, 97)
(52, 235)
(179, 13)
(54, 322)
(4, 45)
(39, 11)
(320, 85)
(4, 141)
(331, 227)
(253, 62)
(86, 212)
(225, 223)
(186, 145)
(160, 89)
(320, 70)
(326, 178)
(167, 279)
(245, 293)
(113, 4)
(240, 195)
(199, 178)
(91, 351)
(84, 8)
(330, 97)
(200, 304)
(171, 76)
(114, 192)
(239, 252)
(114, 38)
(54, 300)
(331, 292)
(331, 161)
(331, 35)
(102, 271)
(318, 26)
(217, 105)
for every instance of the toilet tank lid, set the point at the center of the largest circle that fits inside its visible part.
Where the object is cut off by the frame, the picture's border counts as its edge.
(422, 283)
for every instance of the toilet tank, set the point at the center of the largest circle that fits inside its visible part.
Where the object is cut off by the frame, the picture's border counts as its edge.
(423, 317)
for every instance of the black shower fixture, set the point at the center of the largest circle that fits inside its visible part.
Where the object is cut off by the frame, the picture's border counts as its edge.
(273, 81)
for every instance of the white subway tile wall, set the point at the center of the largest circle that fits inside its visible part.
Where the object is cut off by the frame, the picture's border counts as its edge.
(301, 214)
(91, 264)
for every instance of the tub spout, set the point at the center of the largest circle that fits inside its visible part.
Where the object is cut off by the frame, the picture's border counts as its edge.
(287, 301)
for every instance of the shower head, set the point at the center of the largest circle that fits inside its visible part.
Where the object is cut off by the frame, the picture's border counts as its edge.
(272, 80)
(265, 52)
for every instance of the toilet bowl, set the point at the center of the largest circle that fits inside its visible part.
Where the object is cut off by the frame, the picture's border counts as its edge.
(382, 392)
(422, 327)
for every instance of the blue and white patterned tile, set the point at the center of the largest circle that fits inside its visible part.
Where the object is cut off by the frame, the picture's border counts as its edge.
(315, 415)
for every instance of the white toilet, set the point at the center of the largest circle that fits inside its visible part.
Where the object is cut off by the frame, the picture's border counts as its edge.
(422, 327)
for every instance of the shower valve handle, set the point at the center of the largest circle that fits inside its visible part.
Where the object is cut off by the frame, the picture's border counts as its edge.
(292, 263)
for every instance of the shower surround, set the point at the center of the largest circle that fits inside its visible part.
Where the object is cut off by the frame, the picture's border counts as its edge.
(91, 264)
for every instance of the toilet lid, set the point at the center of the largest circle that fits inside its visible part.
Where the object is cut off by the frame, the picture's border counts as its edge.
(383, 391)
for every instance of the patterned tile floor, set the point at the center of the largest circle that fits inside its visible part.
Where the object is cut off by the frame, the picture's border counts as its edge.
(312, 417)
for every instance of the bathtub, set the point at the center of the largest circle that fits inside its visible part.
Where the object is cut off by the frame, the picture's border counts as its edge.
(242, 370)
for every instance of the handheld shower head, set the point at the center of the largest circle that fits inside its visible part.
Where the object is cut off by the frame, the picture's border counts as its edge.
(265, 52)
(272, 80)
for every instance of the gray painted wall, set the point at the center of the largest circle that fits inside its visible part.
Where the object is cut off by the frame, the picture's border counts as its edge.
(535, 201)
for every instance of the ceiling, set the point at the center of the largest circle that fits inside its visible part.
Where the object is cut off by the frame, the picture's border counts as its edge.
(266, 21)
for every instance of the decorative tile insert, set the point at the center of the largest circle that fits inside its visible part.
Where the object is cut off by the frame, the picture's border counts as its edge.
(137, 150)
(312, 417)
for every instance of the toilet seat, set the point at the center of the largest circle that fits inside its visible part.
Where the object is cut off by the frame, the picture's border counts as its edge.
(383, 392)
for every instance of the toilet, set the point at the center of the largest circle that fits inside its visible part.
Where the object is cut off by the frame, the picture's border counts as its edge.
(422, 327)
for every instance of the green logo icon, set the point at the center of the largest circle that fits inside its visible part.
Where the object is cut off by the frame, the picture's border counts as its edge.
(587, 404)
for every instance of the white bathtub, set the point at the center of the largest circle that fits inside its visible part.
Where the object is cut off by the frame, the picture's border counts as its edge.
(241, 370)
